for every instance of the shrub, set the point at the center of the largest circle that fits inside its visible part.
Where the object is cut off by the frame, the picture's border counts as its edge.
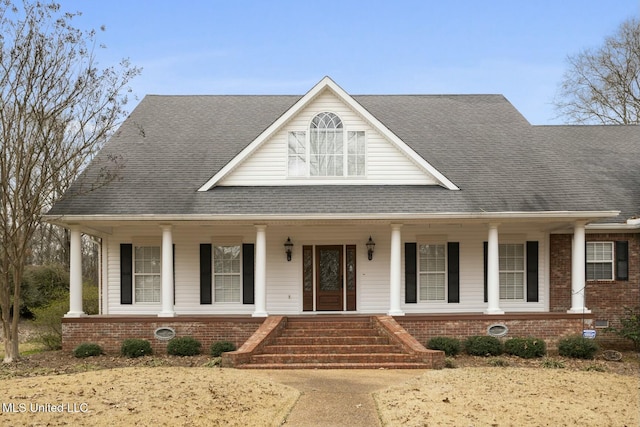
(483, 346)
(134, 347)
(527, 348)
(219, 347)
(90, 299)
(42, 284)
(629, 326)
(87, 350)
(577, 347)
(48, 323)
(450, 346)
(184, 346)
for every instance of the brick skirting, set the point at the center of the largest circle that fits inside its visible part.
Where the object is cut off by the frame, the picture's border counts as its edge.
(109, 332)
(550, 327)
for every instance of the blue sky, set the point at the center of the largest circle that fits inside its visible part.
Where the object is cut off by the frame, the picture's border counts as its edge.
(516, 48)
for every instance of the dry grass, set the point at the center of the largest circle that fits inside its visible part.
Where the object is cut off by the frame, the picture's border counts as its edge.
(501, 396)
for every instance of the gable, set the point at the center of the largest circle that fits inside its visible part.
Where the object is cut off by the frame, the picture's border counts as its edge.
(384, 162)
(387, 160)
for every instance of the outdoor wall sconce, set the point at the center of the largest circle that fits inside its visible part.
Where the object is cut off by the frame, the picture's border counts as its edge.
(370, 247)
(288, 246)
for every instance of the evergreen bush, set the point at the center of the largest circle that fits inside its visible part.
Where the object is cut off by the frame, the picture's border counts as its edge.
(87, 350)
(483, 346)
(184, 346)
(219, 347)
(527, 348)
(450, 346)
(135, 347)
(577, 347)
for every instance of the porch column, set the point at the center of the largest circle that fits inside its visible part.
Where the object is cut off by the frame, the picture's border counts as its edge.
(395, 269)
(577, 270)
(75, 274)
(260, 279)
(493, 272)
(167, 272)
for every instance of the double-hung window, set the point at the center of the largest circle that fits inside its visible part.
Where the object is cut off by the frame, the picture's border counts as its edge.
(432, 266)
(147, 273)
(600, 260)
(227, 273)
(326, 149)
(512, 271)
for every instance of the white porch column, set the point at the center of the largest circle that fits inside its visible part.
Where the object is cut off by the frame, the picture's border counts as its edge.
(75, 274)
(260, 279)
(577, 270)
(395, 271)
(493, 272)
(167, 272)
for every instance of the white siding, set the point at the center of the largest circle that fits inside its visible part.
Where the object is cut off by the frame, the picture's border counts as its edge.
(385, 163)
(284, 279)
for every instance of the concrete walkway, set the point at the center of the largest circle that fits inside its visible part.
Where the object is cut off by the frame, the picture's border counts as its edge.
(334, 398)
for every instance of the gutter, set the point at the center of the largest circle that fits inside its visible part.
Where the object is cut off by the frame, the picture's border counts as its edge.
(630, 225)
(444, 216)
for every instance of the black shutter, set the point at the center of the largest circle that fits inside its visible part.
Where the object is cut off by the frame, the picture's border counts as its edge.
(205, 273)
(248, 273)
(532, 271)
(622, 260)
(453, 272)
(486, 269)
(126, 273)
(410, 276)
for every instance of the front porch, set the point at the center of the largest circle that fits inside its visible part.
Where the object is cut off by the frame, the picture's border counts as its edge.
(110, 331)
(416, 268)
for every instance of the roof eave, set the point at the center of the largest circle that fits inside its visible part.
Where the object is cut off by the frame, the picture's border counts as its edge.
(584, 216)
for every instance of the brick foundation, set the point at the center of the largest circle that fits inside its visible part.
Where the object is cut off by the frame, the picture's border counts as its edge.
(109, 332)
(605, 299)
(550, 327)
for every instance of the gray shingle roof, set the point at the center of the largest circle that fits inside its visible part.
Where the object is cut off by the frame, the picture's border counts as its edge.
(171, 145)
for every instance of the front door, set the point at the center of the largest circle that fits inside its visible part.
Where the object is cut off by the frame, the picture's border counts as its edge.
(329, 278)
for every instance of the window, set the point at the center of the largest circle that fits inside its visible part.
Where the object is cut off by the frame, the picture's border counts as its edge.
(355, 153)
(326, 145)
(323, 150)
(512, 271)
(599, 260)
(297, 154)
(432, 269)
(226, 273)
(147, 273)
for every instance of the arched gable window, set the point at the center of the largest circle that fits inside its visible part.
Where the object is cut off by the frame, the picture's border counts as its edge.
(326, 145)
(323, 151)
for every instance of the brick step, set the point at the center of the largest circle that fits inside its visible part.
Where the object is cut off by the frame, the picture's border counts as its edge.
(316, 325)
(384, 365)
(339, 340)
(331, 349)
(331, 358)
(329, 333)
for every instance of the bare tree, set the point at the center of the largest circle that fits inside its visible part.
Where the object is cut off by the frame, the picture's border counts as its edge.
(603, 85)
(56, 110)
